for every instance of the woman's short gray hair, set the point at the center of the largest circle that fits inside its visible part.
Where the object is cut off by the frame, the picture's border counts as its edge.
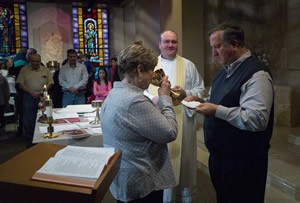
(135, 55)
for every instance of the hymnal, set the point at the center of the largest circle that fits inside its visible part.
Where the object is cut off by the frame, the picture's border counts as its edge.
(74, 165)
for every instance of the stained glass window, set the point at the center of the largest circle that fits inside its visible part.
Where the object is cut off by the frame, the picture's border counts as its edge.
(90, 33)
(13, 28)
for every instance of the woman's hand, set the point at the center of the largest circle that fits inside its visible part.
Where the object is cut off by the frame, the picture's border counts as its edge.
(165, 86)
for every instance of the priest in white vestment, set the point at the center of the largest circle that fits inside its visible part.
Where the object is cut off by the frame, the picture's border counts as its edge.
(183, 76)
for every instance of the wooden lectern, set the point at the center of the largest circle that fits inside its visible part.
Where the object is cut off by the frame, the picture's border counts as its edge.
(16, 186)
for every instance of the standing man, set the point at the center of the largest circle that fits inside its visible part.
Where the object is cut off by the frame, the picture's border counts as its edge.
(112, 73)
(73, 78)
(184, 77)
(21, 60)
(238, 118)
(90, 70)
(29, 52)
(31, 80)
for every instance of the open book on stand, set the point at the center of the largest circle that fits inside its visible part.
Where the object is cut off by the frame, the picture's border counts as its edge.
(74, 165)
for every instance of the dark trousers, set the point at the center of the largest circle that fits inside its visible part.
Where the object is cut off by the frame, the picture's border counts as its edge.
(19, 110)
(239, 180)
(153, 197)
(2, 121)
(29, 117)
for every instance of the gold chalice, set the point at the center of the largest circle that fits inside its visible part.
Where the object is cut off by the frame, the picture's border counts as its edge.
(96, 104)
(53, 65)
(158, 76)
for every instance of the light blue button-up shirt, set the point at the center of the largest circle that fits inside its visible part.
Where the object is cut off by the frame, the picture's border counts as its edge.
(255, 102)
(76, 77)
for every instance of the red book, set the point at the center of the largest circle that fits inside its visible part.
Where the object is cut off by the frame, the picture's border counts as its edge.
(77, 133)
(69, 119)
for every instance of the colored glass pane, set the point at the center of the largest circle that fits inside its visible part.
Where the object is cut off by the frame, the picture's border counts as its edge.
(74, 11)
(24, 44)
(23, 33)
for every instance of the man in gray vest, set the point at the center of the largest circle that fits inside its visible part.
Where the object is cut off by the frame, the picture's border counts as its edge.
(239, 115)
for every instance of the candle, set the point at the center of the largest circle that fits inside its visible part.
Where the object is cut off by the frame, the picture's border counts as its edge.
(45, 92)
(48, 107)
(49, 111)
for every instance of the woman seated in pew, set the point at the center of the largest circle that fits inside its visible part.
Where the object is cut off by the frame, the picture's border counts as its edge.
(134, 124)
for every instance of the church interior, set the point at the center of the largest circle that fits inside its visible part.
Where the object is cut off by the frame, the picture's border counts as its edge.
(272, 33)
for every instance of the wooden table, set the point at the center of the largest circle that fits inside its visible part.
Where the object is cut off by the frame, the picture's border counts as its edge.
(16, 186)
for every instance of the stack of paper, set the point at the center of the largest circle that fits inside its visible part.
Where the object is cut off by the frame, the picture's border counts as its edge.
(82, 108)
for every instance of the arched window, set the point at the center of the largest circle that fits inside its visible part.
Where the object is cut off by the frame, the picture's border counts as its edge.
(13, 29)
(90, 33)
